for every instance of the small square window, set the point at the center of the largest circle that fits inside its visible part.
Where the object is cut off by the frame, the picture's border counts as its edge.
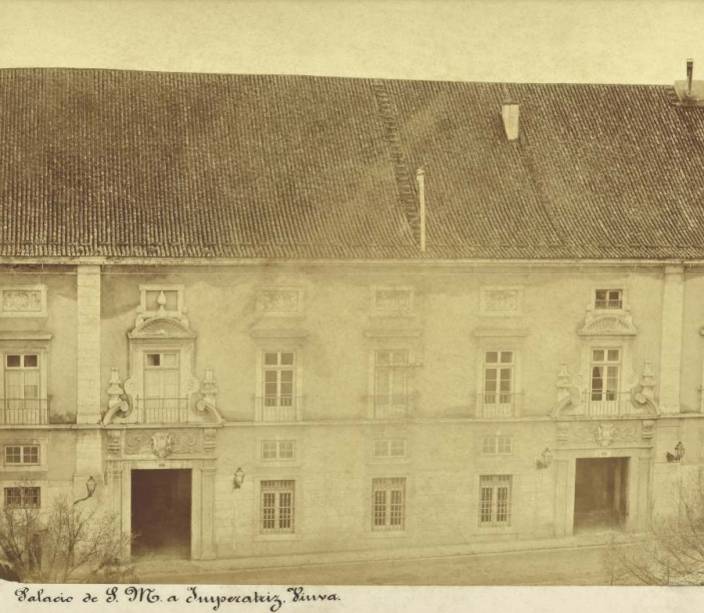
(153, 359)
(390, 448)
(608, 299)
(14, 361)
(30, 360)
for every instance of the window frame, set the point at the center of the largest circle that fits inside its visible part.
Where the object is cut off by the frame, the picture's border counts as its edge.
(7, 489)
(606, 307)
(395, 370)
(277, 444)
(495, 482)
(265, 488)
(388, 485)
(496, 439)
(22, 447)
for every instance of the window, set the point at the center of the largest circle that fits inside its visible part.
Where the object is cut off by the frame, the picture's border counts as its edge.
(393, 300)
(390, 448)
(162, 391)
(22, 379)
(608, 299)
(22, 454)
(391, 382)
(498, 380)
(388, 504)
(22, 498)
(277, 506)
(497, 444)
(605, 375)
(23, 301)
(495, 500)
(278, 450)
(278, 379)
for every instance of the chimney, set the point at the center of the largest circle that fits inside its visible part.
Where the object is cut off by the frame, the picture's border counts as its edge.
(420, 179)
(690, 74)
(509, 114)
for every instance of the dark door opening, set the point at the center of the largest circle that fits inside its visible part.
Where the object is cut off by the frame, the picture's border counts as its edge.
(161, 513)
(601, 493)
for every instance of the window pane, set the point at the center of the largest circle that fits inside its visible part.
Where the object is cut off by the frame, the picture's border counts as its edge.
(506, 357)
(271, 359)
(504, 444)
(485, 504)
(492, 357)
(287, 359)
(31, 360)
(31, 455)
(169, 360)
(398, 447)
(381, 449)
(153, 359)
(613, 355)
(13, 455)
(286, 449)
(13, 361)
(598, 355)
(379, 511)
(502, 504)
(489, 444)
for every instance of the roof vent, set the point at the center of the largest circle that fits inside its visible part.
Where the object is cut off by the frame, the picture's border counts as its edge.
(510, 116)
(690, 92)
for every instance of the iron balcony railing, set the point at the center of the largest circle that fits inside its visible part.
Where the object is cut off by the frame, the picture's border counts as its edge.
(608, 404)
(393, 406)
(278, 408)
(24, 411)
(492, 405)
(162, 410)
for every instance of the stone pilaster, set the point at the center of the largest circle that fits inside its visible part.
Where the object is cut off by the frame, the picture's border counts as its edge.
(671, 341)
(88, 368)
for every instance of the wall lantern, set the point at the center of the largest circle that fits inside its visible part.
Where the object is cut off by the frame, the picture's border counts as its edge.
(678, 455)
(91, 485)
(238, 479)
(545, 459)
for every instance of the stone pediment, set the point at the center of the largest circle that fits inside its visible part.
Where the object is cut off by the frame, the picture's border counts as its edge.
(161, 328)
(608, 323)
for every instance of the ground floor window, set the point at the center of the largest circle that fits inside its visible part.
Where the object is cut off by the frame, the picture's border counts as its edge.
(22, 497)
(495, 500)
(388, 504)
(277, 506)
(22, 454)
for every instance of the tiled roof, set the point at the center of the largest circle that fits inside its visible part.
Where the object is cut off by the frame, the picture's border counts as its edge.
(122, 163)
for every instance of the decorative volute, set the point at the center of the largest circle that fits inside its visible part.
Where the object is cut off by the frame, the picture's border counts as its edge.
(118, 401)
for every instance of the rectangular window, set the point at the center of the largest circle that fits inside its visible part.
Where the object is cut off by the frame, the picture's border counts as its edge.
(605, 375)
(500, 444)
(22, 498)
(388, 504)
(22, 454)
(278, 450)
(162, 388)
(390, 448)
(391, 382)
(277, 506)
(22, 376)
(495, 500)
(498, 381)
(279, 367)
(608, 299)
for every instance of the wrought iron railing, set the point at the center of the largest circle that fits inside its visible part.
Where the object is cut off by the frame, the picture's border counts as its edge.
(24, 411)
(492, 405)
(162, 410)
(609, 404)
(278, 408)
(393, 406)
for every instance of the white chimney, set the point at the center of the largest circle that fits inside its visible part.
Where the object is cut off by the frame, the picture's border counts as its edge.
(510, 114)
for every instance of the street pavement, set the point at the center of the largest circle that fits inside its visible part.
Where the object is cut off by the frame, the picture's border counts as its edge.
(563, 566)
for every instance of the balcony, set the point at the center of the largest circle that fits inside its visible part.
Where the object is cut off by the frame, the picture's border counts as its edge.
(24, 411)
(496, 405)
(278, 408)
(392, 406)
(162, 410)
(611, 404)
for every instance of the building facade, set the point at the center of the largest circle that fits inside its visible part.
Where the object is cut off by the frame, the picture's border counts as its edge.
(234, 305)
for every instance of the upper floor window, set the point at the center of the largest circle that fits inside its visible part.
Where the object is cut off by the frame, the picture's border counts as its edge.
(392, 300)
(277, 506)
(27, 455)
(608, 299)
(162, 402)
(24, 399)
(388, 504)
(605, 378)
(391, 382)
(279, 399)
(495, 500)
(497, 444)
(22, 497)
(278, 449)
(498, 393)
(390, 448)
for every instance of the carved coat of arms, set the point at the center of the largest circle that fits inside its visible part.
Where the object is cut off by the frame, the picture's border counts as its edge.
(162, 444)
(604, 434)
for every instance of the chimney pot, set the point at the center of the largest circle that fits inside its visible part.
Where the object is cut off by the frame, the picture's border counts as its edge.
(690, 75)
(510, 115)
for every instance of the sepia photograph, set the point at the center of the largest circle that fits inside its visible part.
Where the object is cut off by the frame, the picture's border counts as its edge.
(351, 293)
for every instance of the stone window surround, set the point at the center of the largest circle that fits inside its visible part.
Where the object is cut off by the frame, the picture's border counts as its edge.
(298, 508)
(36, 287)
(513, 503)
(41, 442)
